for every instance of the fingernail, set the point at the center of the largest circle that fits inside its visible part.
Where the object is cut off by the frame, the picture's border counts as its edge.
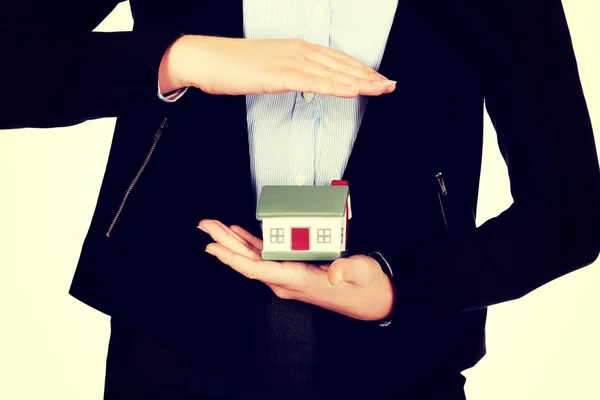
(351, 89)
(206, 250)
(202, 229)
(386, 83)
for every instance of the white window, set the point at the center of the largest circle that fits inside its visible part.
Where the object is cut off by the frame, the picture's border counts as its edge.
(276, 235)
(323, 235)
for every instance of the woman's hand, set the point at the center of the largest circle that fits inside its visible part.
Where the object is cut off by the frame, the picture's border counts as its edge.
(252, 66)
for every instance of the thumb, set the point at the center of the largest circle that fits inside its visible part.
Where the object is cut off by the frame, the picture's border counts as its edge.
(349, 270)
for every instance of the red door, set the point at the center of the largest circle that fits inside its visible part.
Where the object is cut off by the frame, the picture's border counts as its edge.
(300, 239)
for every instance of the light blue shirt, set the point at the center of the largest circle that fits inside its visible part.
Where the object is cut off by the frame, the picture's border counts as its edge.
(303, 138)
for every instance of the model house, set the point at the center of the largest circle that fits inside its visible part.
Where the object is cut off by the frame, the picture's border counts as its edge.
(305, 223)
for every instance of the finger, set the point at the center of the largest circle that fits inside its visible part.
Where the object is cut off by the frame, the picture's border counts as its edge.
(338, 57)
(269, 272)
(335, 273)
(236, 235)
(350, 66)
(222, 225)
(221, 236)
(364, 84)
(238, 262)
(351, 271)
(247, 236)
(300, 81)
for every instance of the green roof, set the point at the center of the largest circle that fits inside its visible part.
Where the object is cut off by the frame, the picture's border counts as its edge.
(302, 201)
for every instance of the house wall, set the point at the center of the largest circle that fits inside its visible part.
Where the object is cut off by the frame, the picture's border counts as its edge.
(313, 223)
(343, 230)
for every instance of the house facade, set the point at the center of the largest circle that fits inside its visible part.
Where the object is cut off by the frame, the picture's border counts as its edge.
(304, 223)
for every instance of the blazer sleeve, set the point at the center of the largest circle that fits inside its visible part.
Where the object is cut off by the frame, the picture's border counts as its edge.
(535, 100)
(57, 72)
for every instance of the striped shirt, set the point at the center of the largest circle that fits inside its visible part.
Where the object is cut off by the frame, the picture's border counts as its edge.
(302, 138)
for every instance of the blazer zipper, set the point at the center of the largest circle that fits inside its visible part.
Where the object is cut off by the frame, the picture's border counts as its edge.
(441, 193)
(157, 135)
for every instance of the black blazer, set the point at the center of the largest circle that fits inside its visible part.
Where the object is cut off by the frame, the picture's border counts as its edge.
(449, 58)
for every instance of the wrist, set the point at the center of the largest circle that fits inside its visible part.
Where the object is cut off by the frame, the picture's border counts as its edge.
(171, 75)
(388, 298)
(387, 287)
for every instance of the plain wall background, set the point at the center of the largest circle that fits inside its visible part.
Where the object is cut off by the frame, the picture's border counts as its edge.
(543, 346)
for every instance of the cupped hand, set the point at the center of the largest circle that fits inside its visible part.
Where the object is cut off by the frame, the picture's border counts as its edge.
(252, 66)
(355, 286)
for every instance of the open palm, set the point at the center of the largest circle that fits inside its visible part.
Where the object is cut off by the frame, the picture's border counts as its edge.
(352, 286)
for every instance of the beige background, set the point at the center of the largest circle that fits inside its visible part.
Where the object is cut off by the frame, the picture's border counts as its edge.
(543, 346)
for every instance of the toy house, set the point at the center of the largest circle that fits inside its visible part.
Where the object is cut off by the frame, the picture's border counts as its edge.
(305, 223)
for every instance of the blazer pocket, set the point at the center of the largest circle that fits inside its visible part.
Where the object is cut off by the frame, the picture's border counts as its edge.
(453, 211)
(441, 192)
(137, 176)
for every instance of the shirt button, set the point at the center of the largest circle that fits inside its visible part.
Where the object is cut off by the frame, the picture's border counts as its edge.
(300, 180)
(308, 96)
(318, 11)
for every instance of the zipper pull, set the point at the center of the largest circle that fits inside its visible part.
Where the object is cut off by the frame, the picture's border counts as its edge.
(160, 130)
(441, 183)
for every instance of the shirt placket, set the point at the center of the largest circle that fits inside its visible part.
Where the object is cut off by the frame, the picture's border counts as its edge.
(307, 114)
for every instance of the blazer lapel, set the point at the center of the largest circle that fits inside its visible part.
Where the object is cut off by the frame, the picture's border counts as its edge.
(389, 67)
(393, 145)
